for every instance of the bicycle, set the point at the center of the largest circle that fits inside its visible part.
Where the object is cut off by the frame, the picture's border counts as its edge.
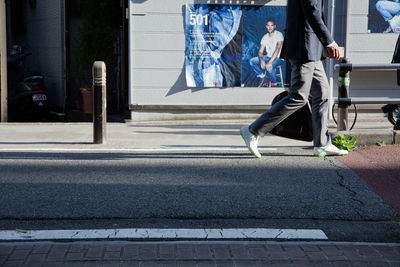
(392, 113)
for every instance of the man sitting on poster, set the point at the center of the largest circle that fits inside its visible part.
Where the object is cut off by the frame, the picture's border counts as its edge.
(272, 44)
(390, 11)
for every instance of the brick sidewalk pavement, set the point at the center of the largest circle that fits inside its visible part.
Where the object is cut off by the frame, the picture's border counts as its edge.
(206, 253)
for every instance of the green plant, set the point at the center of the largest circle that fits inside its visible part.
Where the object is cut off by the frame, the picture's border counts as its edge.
(382, 143)
(346, 142)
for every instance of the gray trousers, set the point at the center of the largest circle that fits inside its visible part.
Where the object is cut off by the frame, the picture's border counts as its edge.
(307, 78)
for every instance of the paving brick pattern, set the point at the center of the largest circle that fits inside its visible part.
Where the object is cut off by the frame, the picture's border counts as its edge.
(198, 254)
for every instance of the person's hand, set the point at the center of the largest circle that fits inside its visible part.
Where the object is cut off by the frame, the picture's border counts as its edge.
(268, 66)
(333, 51)
(263, 64)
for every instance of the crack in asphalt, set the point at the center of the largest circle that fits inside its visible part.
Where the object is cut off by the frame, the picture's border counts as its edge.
(353, 193)
(341, 183)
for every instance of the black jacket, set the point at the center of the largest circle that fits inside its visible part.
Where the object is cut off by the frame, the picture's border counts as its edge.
(306, 32)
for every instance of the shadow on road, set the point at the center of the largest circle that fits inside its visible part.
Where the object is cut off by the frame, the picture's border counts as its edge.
(135, 155)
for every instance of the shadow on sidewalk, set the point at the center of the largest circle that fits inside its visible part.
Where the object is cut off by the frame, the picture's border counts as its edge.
(135, 155)
(45, 143)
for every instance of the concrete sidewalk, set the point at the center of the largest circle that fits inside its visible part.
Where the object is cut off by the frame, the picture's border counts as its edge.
(168, 135)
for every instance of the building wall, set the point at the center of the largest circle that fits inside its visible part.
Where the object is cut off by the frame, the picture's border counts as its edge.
(157, 57)
(45, 31)
(157, 44)
(369, 48)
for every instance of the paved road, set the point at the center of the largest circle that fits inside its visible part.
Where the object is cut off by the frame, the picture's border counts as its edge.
(379, 167)
(287, 188)
(151, 176)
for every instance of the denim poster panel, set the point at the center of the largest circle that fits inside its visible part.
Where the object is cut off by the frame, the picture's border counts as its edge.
(384, 16)
(213, 45)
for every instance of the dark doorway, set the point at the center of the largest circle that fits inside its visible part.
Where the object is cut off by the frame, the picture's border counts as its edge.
(94, 32)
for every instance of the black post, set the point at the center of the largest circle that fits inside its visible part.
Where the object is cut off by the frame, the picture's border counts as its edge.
(99, 102)
(343, 87)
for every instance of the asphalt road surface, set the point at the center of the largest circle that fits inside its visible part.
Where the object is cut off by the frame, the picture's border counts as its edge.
(286, 188)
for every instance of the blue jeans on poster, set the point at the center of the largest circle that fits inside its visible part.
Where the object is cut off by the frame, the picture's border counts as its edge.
(206, 41)
(388, 9)
(255, 64)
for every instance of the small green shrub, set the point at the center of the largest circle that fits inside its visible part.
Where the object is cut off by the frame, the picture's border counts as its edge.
(346, 142)
(383, 143)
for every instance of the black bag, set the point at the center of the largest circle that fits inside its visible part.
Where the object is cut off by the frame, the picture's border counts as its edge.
(298, 125)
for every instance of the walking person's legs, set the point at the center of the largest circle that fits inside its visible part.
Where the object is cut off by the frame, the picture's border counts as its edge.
(320, 106)
(308, 77)
(301, 79)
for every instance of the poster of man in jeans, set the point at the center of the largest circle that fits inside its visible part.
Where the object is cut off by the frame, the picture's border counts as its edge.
(384, 16)
(233, 45)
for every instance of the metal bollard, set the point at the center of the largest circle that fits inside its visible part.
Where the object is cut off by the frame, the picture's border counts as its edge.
(99, 102)
(343, 86)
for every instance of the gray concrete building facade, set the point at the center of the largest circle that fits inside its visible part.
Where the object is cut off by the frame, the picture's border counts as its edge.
(155, 53)
(157, 84)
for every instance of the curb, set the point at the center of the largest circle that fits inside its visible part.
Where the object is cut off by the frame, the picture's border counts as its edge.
(372, 138)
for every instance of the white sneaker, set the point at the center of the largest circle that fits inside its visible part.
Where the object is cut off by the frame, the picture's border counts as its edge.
(262, 75)
(251, 141)
(329, 150)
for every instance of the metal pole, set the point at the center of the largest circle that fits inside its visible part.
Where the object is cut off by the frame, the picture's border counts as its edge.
(99, 102)
(343, 87)
(369, 67)
(3, 62)
(330, 61)
(368, 100)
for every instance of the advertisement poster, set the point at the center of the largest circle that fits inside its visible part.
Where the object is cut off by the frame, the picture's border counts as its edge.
(224, 42)
(213, 45)
(384, 16)
(263, 32)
